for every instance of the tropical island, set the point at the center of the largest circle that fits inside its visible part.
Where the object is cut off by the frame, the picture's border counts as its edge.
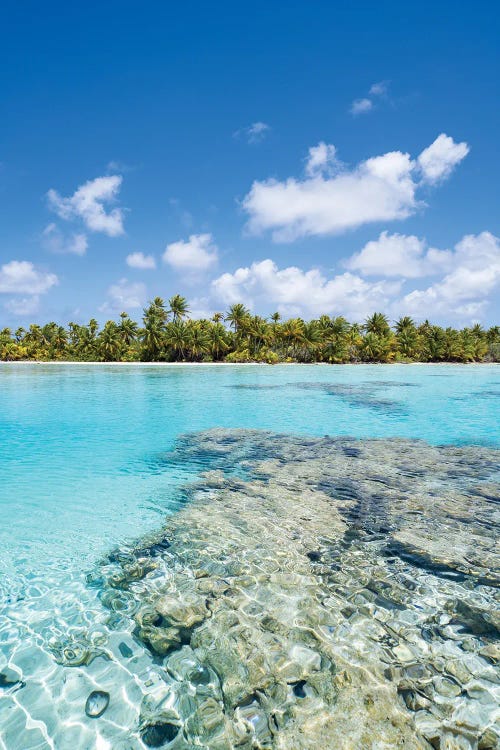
(168, 334)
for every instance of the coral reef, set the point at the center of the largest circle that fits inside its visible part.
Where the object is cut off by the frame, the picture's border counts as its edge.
(318, 593)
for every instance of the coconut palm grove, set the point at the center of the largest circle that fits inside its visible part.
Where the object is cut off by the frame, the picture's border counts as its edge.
(167, 334)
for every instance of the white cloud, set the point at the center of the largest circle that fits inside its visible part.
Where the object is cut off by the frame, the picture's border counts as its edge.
(197, 254)
(379, 89)
(124, 295)
(141, 261)
(201, 308)
(366, 104)
(322, 158)
(438, 160)
(23, 306)
(296, 292)
(401, 255)
(468, 277)
(382, 188)
(86, 204)
(462, 292)
(22, 277)
(55, 241)
(361, 106)
(115, 165)
(254, 133)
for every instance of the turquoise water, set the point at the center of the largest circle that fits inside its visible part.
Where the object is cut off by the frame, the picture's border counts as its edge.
(81, 457)
(79, 445)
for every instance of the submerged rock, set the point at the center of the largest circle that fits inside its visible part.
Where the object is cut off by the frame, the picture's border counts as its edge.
(96, 703)
(125, 650)
(77, 650)
(10, 681)
(489, 740)
(157, 735)
(182, 612)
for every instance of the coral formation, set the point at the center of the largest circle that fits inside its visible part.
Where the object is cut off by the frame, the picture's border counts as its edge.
(319, 593)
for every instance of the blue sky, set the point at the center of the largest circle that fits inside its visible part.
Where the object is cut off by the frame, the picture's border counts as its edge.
(305, 157)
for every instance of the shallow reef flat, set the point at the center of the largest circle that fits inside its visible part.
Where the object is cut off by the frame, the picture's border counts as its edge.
(316, 593)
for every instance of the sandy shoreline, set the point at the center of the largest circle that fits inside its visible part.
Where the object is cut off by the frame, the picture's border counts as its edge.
(245, 364)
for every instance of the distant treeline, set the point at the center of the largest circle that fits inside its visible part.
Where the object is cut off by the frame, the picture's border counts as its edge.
(168, 335)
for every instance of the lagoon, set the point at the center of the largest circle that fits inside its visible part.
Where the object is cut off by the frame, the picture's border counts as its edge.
(88, 468)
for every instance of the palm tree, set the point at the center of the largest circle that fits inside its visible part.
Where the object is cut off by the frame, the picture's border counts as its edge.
(217, 317)
(448, 345)
(478, 330)
(59, 342)
(93, 328)
(493, 335)
(340, 326)
(474, 346)
(378, 324)
(236, 315)
(334, 338)
(109, 342)
(84, 340)
(128, 329)
(198, 341)
(258, 332)
(376, 348)
(154, 319)
(293, 334)
(178, 307)
(35, 341)
(408, 342)
(218, 343)
(434, 342)
(354, 338)
(19, 334)
(177, 338)
(425, 328)
(404, 323)
(307, 350)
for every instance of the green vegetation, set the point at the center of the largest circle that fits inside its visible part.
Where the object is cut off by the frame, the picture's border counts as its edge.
(168, 335)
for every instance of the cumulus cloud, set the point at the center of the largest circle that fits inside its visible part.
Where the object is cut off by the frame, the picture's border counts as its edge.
(294, 291)
(382, 188)
(141, 261)
(367, 103)
(57, 242)
(201, 308)
(401, 255)
(195, 255)
(124, 295)
(463, 292)
(254, 133)
(23, 306)
(322, 158)
(438, 160)
(22, 277)
(87, 204)
(379, 88)
(361, 106)
(467, 278)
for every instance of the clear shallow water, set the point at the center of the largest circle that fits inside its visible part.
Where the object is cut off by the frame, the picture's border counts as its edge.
(79, 445)
(81, 452)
